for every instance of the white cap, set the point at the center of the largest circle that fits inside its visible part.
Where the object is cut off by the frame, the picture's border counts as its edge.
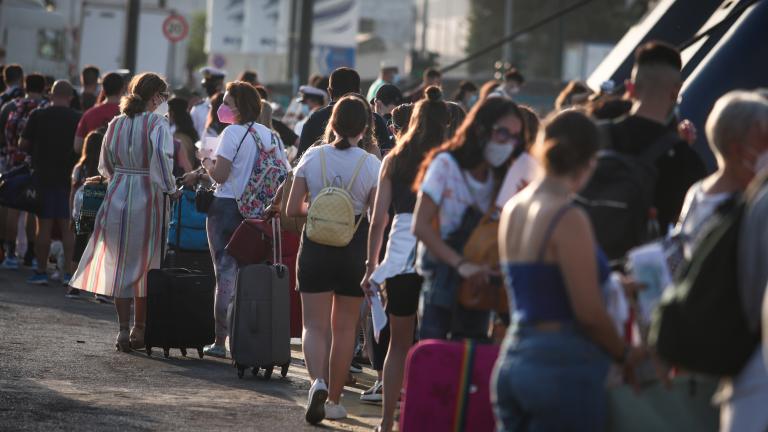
(209, 72)
(314, 91)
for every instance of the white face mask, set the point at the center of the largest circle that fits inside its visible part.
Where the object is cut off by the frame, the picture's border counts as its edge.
(162, 109)
(761, 163)
(497, 153)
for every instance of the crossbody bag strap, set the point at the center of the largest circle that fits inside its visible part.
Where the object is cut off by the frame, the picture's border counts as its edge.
(247, 131)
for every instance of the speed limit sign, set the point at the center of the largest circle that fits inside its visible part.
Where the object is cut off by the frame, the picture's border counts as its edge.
(175, 28)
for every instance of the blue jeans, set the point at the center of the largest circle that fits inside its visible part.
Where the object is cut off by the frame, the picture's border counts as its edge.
(222, 221)
(440, 321)
(549, 381)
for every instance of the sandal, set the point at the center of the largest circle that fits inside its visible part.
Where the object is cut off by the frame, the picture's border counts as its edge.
(123, 343)
(137, 337)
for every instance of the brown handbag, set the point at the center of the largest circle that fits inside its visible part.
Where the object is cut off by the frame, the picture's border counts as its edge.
(483, 248)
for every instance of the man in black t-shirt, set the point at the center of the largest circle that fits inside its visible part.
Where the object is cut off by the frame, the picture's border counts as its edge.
(654, 89)
(342, 81)
(48, 136)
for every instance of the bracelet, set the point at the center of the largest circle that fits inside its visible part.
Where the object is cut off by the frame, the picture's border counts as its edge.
(458, 264)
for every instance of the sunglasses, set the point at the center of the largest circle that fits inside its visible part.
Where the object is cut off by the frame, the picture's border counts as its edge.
(503, 135)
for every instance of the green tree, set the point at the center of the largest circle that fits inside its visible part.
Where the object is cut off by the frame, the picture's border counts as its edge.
(196, 56)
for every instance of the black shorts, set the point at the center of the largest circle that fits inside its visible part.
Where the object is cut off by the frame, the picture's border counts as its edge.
(403, 294)
(340, 270)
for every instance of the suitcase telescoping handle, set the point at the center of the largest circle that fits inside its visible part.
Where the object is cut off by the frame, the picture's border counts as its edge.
(277, 241)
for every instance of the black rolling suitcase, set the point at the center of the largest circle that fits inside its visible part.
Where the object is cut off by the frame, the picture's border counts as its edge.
(259, 316)
(179, 309)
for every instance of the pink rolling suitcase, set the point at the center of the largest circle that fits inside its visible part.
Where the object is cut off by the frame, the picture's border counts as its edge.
(447, 387)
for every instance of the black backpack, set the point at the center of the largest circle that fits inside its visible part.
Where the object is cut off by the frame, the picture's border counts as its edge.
(700, 323)
(621, 191)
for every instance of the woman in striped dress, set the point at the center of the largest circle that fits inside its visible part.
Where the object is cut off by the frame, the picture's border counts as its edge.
(137, 160)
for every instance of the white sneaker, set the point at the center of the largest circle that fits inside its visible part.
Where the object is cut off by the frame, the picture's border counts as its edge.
(334, 411)
(318, 394)
(373, 394)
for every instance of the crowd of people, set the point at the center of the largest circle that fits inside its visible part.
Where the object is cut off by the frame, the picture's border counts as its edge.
(423, 176)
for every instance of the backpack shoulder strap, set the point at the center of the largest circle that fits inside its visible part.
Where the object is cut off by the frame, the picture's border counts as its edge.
(323, 168)
(660, 146)
(358, 167)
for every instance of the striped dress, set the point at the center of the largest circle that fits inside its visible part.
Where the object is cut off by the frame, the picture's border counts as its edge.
(137, 158)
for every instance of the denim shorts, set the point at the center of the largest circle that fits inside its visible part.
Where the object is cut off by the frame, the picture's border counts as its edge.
(550, 381)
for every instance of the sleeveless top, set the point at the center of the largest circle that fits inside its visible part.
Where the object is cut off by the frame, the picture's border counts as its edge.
(538, 288)
(403, 198)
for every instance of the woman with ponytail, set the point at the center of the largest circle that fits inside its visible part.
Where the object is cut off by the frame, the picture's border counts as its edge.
(328, 276)
(137, 162)
(396, 273)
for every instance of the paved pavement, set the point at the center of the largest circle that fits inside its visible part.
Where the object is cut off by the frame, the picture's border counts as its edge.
(59, 371)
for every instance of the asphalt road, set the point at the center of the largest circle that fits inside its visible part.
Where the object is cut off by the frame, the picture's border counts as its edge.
(59, 371)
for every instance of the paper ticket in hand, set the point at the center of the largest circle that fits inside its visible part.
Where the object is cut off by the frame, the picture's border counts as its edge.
(207, 147)
(649, 267)
(378, 315)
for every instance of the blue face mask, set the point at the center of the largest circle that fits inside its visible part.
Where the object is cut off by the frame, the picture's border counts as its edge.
(396, 79)
(305, 109)
(472, 101)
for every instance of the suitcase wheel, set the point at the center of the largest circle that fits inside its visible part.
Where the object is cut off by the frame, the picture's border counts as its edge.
(240, 370)
(183, 352)
(149, 351)
(166, 352)
(268, 372)
(284, 369)
(200, 352)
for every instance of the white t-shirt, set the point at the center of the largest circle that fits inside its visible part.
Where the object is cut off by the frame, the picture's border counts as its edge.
(449, 187)
(340, 166)
(523, 172)
(697, 208)
(242, 162)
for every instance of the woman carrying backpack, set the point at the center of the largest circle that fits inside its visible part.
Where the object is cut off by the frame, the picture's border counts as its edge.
(235, 158)
(457, 184)
(340, 179)
(396, 273)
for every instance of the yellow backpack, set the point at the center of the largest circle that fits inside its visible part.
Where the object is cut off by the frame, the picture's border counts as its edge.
(331, 217)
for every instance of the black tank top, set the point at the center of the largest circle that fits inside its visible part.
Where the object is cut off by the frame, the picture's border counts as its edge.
(403, 198)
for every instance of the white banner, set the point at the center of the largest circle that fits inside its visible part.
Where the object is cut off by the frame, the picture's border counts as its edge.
(335, 23)
(225, 26)
(261, 25)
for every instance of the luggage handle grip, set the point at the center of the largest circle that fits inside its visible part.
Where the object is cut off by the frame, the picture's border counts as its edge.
(277, 241)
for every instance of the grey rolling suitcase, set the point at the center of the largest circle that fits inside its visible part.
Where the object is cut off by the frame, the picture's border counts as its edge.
(259, 320)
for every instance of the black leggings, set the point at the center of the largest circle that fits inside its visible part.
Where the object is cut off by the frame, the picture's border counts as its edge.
(380, 348)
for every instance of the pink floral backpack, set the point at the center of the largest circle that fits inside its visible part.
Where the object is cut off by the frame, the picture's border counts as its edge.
(268, 173)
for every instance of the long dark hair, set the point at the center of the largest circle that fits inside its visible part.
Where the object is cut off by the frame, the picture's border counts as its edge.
(177, 108)
(428, 125)
(89, 157)
(467, 145)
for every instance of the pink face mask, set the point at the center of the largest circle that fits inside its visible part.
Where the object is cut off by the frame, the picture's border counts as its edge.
(225, 114)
